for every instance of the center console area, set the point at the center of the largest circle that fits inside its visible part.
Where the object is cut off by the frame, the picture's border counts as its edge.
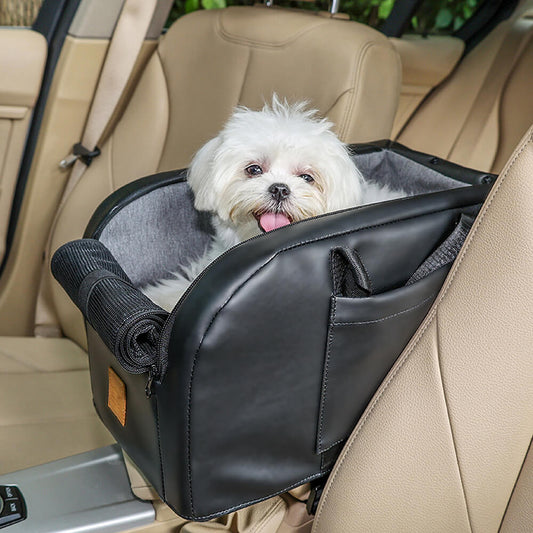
(82, 493)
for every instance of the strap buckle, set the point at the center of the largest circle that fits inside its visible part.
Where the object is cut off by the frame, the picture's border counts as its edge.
(80, 152)
(317, 487)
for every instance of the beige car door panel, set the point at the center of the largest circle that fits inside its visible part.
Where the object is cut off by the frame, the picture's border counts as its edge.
(23, 55)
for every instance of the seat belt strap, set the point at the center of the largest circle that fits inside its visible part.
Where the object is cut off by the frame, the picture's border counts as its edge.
(124, 49)
(506, 59)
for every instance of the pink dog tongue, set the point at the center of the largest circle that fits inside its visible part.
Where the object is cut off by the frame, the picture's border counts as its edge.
(270, 221)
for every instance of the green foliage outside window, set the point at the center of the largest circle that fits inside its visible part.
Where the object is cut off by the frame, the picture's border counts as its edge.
(443, 16)
(434, 16)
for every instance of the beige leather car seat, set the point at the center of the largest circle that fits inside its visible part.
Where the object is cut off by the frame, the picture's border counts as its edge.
(206, 64)
(443, 444)
(479, 114)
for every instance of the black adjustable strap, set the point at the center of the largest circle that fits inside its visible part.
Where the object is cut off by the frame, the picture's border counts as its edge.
(349, 275)
(398, 20)
(446, 252)
(317, 487)
(84, 154)
(79, 151)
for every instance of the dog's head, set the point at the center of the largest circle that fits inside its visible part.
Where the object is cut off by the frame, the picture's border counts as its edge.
(269, 168)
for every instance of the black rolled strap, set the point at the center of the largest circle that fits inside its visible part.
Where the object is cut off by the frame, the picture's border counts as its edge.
(127, 321)
(88, 284)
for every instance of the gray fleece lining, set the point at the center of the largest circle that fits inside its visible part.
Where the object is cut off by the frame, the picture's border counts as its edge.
(155, 234)
(398, 172)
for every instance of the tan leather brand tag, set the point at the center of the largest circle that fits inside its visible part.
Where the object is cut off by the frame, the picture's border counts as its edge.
(116, 396)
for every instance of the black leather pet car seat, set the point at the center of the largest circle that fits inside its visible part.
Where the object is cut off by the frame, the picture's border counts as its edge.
(254, 381)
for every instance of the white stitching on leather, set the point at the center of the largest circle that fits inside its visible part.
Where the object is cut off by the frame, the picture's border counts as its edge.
(383, 319)
(227, 36)
(324, 391)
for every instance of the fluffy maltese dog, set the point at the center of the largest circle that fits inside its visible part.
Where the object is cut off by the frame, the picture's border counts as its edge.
(265, 170)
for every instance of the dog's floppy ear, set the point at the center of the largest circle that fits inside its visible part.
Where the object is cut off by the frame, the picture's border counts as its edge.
(200, 176)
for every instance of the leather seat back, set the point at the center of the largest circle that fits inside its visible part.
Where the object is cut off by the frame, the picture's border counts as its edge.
(211, 61)
(466, 100)
(442, 445)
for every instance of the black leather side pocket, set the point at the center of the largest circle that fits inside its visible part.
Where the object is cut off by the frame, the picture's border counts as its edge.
(366, 335)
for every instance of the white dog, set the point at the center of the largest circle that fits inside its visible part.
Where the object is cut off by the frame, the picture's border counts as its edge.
(267, 169)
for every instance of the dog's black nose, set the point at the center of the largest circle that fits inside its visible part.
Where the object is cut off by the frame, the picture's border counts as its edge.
(279, 191)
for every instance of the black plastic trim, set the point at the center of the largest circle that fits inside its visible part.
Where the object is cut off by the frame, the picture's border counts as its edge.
(398, 20)
(14, 497)
(490, 13)
(48, 18)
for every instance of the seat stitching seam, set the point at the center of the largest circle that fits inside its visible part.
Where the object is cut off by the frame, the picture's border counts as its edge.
(167, 90)
(528, 451)
(13, 358)
(336, 101)
(439, 367)
(245, 75)
(225, 35)
(427, 322)
(112, 185)
(40, 421)
(37, 369)
(355, 86)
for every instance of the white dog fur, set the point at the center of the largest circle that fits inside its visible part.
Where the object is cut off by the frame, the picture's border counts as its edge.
(267, 168)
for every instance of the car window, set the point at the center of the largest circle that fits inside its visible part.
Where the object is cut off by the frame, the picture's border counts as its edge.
(19, 12)
(432, 17)
(443, 17)
(370, 12)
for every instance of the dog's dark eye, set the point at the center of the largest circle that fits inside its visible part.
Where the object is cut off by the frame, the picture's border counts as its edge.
(253, 170)
(307, 177)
